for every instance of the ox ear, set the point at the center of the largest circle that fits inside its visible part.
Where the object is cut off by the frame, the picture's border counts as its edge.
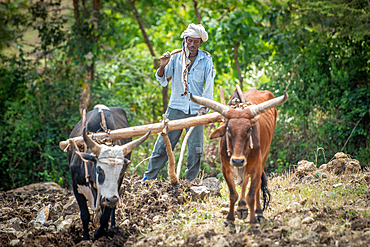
(254, 120)
(219, 132)
(86, 157)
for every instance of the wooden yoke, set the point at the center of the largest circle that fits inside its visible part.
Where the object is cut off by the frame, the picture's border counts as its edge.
(171, 156)
(143, 129)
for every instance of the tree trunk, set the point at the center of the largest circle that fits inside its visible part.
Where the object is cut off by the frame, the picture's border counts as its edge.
(89, 73)
(237, 65)
(150, 46)
(197, 11)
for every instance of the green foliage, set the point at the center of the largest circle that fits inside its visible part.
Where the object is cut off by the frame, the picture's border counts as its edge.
(318, 51)
(13, 21)
(35, 120)
(327, 77)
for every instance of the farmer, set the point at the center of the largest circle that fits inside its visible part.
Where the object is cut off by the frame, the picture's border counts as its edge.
(192, 73)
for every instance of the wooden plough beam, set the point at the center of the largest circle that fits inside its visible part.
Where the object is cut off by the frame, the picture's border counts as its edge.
(143, 129)
(171, 157)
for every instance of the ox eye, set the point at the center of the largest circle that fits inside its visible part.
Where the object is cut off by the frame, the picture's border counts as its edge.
(249, 130)
(100, 174)
(99, 171)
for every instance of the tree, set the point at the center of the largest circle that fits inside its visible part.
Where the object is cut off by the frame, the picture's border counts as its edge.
(325, 70)
(237, 35)
(85, 41)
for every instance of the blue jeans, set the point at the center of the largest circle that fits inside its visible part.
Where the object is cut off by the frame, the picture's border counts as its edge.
(195, 148)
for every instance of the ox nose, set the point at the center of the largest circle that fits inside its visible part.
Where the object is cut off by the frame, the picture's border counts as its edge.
(111, 201)
(238, 162)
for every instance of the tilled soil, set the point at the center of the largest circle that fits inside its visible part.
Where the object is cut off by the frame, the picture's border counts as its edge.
(155, 213)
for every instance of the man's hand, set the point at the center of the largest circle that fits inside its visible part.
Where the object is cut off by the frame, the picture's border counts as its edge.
(202, 111)
(165, 59)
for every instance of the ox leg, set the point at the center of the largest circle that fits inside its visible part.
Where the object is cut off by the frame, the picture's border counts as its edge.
(104, 219)
(232, 194)
(254, 188)
(84, 212)
(259, 210)
(113, 218)
(242, 210)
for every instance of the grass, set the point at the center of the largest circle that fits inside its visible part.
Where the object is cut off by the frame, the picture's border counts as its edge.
(288, 200)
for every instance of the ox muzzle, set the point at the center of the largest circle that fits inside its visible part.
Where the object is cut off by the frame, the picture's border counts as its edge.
(111, 201)
(238, 162)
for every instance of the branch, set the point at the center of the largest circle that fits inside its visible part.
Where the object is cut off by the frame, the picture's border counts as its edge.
(146, 38)
(197, 11)
(224, 14)
(182, 20)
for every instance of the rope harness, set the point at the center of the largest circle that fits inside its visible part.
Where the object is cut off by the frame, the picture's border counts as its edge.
(235, 104)
(107, 141)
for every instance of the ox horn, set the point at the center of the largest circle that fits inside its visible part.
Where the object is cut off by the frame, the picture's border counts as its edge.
(127, 148)
(91, 144)
(211, 104)
(267, 105)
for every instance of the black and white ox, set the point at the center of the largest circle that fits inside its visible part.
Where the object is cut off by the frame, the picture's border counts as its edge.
(105, 165)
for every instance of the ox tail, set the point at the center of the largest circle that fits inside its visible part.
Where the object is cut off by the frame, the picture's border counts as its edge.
(265, 191)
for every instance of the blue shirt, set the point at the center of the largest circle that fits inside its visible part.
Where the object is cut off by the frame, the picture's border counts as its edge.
(200, 82)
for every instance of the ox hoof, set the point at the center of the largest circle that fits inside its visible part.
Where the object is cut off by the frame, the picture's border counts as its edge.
(260, 219)
(242, 213)
(99, 233)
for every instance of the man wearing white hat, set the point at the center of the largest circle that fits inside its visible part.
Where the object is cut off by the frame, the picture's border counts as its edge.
(192, 72)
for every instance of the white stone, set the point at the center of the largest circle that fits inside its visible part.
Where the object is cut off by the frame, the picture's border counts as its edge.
(337, 185)
(43, 214)
(64, 223)
(14, 242)
(15, 223)
(200, 191)
(295, 223)
(295, 206)
(156, 218)
(308, 220)
(222, 242)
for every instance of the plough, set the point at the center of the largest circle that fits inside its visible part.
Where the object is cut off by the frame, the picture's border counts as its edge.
(164, 127)
(135, 131)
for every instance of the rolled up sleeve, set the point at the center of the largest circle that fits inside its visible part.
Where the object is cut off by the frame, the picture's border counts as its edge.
(168, 71)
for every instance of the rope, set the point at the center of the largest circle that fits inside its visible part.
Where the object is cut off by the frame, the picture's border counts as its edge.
(140, 164)
(183, 151)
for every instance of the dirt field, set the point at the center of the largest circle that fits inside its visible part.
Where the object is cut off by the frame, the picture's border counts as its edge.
(303, 212)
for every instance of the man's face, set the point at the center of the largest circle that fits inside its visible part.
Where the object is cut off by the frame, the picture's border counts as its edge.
(193, 44)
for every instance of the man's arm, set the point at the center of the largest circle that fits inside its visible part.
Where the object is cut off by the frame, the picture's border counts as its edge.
(165, 58)
(165, 69)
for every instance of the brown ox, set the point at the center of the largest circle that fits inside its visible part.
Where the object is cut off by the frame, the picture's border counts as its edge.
(249, 131)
